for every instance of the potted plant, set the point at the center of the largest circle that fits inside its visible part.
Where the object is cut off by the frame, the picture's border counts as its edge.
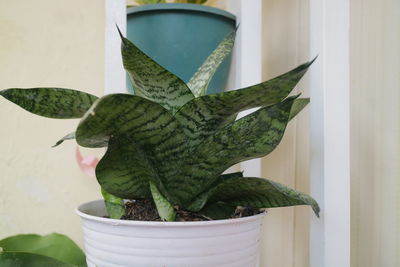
(167, 148)
(180, 35)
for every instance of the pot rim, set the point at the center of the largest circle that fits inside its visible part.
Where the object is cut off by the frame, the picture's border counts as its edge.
(80, 211)
(180, 6)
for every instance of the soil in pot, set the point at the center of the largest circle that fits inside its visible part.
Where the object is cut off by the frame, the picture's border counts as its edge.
(145, 210)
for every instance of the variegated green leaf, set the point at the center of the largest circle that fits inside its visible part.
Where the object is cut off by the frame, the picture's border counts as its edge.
(164, 208)
(206, 114)
(58, 103)
(139, 119)
(150, 80)
(125, 171)
(201, 200)
(253, 136)
(115, 206)
(201, 79)
(298, 105)
(145, 133)
(260, 193)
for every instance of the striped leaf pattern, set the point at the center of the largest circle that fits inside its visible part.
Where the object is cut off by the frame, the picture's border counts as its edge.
(260, 193)
(253, 136)
(135, 130)
(57, 103)
(201, 200)
(125, 170)
(165, 144)
(152, 81)
(206, 114)
(200, 80)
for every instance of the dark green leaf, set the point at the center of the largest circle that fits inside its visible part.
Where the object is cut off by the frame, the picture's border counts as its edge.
(204, 115)
(141, 120)
(24, 259)
(218, 210)
(165, 209)
(55, 103)
(260, 193)
(201, 200)
(253, 136)
(152, 81)
(56, 246)
(69, 136)
(148, 143)
(200, 80)
(114, 205)
(125, 170)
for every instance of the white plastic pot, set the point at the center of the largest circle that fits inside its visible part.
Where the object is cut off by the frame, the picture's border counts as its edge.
(112, 243)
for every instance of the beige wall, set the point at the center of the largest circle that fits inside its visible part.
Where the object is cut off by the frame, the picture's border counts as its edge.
(285, 45)
(375, 133)
(60, 43)
(45, 43)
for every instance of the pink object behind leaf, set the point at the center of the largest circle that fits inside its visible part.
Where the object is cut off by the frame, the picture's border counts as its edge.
(86, 164)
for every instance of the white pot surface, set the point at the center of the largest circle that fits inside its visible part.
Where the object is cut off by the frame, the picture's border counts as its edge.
(117, 243)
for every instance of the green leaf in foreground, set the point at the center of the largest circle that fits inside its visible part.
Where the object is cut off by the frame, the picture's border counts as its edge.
(57, 103)
(25, 259)
(56, 246)
(164, 208)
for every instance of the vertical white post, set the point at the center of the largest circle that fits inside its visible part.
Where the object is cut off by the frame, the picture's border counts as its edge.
(248, 58)
(330, 147)
(114, 73)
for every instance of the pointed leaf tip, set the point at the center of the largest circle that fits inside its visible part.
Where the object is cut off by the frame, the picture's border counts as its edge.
(313, 60)
(119, 31)
(237, 27)
(69, 136)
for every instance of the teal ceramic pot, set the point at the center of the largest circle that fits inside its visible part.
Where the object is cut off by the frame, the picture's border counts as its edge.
(180, 37)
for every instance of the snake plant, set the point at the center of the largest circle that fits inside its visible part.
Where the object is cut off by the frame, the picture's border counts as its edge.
(170, 142)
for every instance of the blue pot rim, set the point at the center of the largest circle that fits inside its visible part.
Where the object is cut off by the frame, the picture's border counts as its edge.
(184, 7)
